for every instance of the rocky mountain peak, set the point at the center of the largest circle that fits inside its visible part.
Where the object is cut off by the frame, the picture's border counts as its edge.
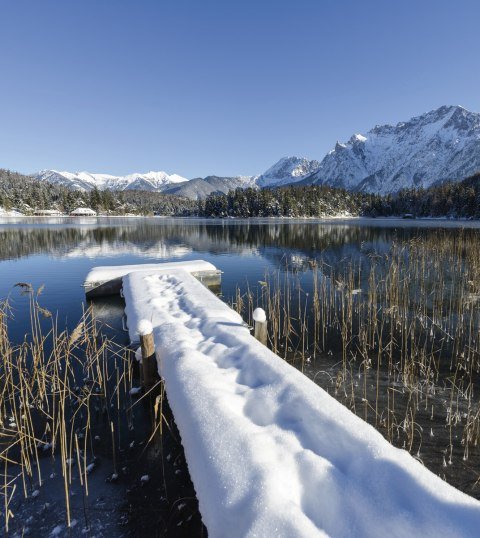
(440, 145)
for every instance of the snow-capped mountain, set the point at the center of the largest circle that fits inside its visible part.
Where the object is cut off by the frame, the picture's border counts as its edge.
(441, 145)
(196, 188)
(199, 188)
(287, 170)
(151, 181)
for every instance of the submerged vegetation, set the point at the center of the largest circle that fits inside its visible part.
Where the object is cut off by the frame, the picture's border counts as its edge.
(386, 321)
(54, 384)
(394, 335)
(68, 407)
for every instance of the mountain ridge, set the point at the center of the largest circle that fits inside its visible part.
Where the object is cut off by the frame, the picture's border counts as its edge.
(434, 147)
(438, 146)
(149, 181)
(287, 170)
(199, 188)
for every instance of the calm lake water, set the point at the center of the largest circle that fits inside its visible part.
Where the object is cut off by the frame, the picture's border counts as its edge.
(58, 253)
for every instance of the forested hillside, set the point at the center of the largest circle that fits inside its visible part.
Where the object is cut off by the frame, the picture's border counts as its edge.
(292, 201)
(456, 199)
(26, 194)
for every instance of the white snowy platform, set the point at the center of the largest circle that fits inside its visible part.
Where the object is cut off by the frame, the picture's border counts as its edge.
(269, 452)
(107, 280)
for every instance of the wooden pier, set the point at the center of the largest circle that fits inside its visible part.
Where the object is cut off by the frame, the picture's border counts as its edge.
(269, 452)
(107, 280)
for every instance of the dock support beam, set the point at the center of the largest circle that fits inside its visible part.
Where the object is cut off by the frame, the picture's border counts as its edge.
(149, 360)
(260, 325)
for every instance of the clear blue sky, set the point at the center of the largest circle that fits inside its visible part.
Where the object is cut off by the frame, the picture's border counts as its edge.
(223, 87)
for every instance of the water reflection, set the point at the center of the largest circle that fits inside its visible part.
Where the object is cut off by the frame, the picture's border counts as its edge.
(60, 252)
(293, 242)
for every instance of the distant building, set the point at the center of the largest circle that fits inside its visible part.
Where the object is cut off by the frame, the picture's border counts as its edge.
(47, 213)
(83, 212)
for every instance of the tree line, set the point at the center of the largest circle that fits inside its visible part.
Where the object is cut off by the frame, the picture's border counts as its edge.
(28, 195)
(450, 199)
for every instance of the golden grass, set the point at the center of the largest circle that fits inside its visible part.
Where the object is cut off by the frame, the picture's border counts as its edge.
(49, 385)
(402, 326)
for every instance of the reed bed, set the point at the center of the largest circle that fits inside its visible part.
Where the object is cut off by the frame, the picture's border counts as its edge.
(394, 335)
(57, 390)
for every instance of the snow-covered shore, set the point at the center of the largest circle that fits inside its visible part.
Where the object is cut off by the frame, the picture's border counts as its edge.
(338, 217)
(269, 452)
(9, 213)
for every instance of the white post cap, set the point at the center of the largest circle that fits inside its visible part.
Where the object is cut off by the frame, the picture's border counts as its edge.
(259, 315)
(144, 327)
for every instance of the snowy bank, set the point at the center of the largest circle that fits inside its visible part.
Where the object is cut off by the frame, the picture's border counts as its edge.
(270, 453)
(9, 213)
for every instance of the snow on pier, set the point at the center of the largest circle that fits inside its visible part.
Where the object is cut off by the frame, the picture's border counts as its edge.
(107, 280)
(270, 453)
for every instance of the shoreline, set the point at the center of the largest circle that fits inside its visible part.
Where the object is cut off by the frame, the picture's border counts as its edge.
(305, 219)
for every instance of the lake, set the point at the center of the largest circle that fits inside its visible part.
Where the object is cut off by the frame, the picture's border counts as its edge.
(58, 253)
(363, 297)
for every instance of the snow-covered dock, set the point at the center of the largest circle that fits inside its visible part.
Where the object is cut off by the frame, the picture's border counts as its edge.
(107, 280)
(270, 453)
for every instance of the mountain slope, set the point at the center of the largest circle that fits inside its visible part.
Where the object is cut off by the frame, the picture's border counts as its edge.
(194, 189)
(26, 194)
(438, 146)
(151, 181)
(441, 145)
(287, 170)
(199, 188)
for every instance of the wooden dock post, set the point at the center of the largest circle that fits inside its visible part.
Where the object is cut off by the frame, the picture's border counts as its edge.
(149, 360)
(260, 325)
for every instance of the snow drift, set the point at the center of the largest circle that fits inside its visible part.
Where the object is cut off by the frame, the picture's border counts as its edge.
(269, 452)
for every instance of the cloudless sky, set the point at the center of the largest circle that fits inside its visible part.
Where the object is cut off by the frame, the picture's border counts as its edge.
(220, 87)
